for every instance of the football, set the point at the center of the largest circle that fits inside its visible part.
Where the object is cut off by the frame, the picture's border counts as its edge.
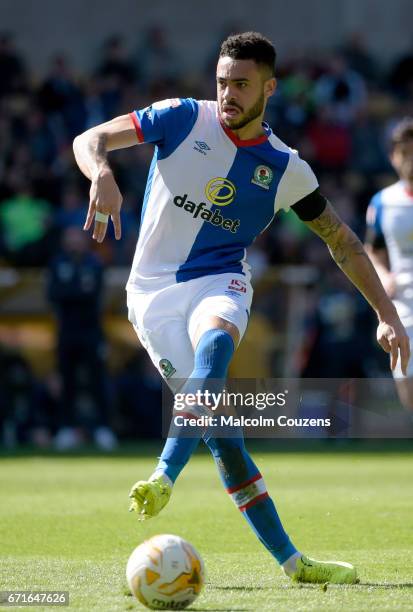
(165, 573)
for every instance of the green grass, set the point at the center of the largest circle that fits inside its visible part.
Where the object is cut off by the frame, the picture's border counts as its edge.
(64, 525)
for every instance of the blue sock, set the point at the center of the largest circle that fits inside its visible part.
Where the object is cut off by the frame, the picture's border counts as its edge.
(246, 486)
(212, 357)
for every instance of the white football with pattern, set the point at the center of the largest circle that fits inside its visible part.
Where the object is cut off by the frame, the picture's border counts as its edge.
(165, 573)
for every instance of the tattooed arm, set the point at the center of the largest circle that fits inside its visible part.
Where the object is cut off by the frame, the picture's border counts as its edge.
(349, 254)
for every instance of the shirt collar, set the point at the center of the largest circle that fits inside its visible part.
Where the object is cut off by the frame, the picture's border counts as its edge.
(238, 142)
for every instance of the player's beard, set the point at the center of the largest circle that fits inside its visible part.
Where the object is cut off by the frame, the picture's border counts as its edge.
(407, 173)
(246, 118)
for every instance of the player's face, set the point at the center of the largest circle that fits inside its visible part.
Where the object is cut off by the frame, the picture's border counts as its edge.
(402, 160)
(243, 89)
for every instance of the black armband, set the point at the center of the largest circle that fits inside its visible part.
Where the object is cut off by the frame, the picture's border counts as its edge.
(310, 207)
(376, 240)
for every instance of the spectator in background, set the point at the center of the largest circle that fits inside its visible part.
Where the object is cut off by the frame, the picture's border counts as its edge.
(359, 59)
(296, 88)
(75, 291)
(61, 99)
(157, 59)
(139, 389)
(13, 77)
(6, 140)
(341, 89)
(71, 211)
(368, 142)
(26, 228)
(16, 397)
(94, 109)
(40, 138)
(329, 141)
(115, 73)
(401, 75)
(338, 330)
(115, 62)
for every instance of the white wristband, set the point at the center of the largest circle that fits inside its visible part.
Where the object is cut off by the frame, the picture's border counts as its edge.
(101, 217)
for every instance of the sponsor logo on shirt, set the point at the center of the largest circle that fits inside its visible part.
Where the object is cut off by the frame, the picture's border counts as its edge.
(263, 176)
(211, 216)
(238, 285)
(201, 147)
(220, 191)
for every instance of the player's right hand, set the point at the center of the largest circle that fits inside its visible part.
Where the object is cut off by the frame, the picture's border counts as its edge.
(105, 198)
(393, 339)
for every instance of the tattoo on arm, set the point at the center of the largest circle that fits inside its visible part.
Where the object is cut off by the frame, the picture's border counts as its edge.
(349, 254)
(352, 246)
(341, 241)
(327, 224)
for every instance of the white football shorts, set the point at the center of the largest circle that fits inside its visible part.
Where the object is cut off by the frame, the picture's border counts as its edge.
(166, 320)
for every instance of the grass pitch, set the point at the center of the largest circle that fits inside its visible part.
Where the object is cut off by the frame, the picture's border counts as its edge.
(64, 525)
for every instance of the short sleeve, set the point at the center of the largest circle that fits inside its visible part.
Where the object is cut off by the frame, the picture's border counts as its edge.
(373, 214)
(297, 182)
(374, 233)
(166, 123)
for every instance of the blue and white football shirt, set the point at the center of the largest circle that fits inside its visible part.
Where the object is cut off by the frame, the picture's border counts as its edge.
(208, 194)
(390, 215)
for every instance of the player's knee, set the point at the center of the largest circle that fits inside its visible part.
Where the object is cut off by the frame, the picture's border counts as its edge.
(215, 323)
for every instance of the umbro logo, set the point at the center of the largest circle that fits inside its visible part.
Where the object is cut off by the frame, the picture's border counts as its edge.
(201, 147)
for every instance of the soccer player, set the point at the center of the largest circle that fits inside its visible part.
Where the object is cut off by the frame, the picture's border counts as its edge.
(217, 178)
(389, 242)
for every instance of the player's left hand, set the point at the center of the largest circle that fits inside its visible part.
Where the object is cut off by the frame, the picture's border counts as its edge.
(393, 339)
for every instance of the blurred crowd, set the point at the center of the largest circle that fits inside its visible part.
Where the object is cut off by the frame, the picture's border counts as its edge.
(336, 106)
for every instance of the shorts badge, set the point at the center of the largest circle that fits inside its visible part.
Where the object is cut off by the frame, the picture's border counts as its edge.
(167, 368)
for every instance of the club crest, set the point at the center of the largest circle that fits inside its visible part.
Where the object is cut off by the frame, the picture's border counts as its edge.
(263, 176)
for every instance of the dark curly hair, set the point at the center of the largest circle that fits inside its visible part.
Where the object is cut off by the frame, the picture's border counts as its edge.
(402, 132)
(250, 46)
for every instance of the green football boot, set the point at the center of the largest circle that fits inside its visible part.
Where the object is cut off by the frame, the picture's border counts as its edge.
(335, 572)
(149, 497)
